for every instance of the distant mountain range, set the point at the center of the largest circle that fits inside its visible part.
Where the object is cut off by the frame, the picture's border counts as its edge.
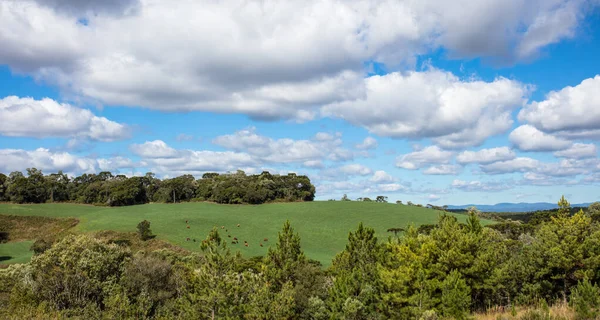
(516, 207)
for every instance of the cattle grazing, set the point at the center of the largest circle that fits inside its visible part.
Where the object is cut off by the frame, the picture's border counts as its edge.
(246, 244)
(226, 230)
(228, 236)
(261, 245)
(188, 227)
(186, 221)
(234, 238)
(222, 227)
(238, 225)
(188, 239)
(265, 239)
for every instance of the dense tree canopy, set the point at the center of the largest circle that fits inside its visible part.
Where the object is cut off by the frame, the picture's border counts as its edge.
(449, 271)
(106, 189)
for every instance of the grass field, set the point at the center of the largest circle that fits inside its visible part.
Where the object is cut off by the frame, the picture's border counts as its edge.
(15, 252)
(323, 225)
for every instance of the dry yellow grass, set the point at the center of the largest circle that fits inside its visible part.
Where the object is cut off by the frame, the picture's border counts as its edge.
(30, 228)
(558, 311)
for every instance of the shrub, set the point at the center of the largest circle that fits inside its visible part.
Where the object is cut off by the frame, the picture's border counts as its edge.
(144, 230)
(456, 296)
(586, 300)
(40, 246)
(3, 236)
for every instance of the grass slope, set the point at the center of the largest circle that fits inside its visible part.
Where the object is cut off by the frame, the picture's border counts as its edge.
(323, 225)
(15, 252)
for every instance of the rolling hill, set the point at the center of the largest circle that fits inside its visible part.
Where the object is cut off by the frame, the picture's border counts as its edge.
(323, 225)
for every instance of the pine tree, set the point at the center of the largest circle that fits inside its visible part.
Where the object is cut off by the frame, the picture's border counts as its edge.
(283, 260)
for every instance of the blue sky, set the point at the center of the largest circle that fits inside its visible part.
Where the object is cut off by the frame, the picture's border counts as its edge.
(433, 102)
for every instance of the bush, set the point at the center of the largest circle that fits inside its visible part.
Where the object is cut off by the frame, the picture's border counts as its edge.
(586, 300)
(3, 236)
(144, 230)
(40, 246)
(456, 296)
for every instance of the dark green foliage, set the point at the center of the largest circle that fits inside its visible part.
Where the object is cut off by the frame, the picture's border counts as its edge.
(40, 246)
(4, 236)
(512, 230)
(109, 190)
(283, 260)
(356, 286)
(586, 300)
(383, 199)
(456, 296)
(144, 230)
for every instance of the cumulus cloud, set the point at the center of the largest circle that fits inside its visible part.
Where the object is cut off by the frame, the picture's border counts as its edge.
(572, 112)
(480, 186)
(368, 143)
(44, 159)
(528, 138)
(297, 55)
(578, 151)
(381, 176)
(486, 156)
(27, 117)
(443, 169)
(418, 159)
(323, 146)
(344, 172)
(434, 104)
(53, 161)
(533, 167)
(91, 7)
(163, 159)
(433, 197)
(520, 164)
(153, 149)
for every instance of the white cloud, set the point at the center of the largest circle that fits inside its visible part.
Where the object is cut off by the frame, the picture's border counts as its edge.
(116, 163)
(443, 169)
(568, 167)
(418, 159)
(486, 156)
(355, 169)
(433, 104)
(368, 143)
(573, 112)
(297, 55)
(480, 186)
(323, 146)
(520, 164)
(528, 138)
(381, 176)
(578, 151)
(53, 161)
(27, 117)
(433, 197)
(44, 159)
(153, 149)
(313, 164)
(163, 159)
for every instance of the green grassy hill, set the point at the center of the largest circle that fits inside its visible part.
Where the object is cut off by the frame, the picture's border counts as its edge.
(323, 225)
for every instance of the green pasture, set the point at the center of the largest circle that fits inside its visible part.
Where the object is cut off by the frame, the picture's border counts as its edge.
(323, 225)
(15, 252)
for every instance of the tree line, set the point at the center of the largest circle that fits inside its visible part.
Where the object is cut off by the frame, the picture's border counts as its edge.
(107, 189)
(447, 271)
